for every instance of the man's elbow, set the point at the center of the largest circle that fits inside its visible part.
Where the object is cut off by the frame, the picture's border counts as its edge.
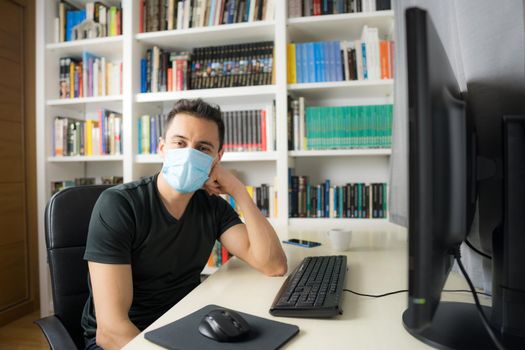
(278, 268)
(103, 338)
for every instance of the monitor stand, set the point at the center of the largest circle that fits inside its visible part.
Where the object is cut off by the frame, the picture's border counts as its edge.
(458, 326)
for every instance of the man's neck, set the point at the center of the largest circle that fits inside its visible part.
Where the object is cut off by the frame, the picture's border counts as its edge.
(175, 202)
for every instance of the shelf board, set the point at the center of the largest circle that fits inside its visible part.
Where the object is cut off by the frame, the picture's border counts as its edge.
(339, 26)
(108, 47)
(72, 159)
(344, 89)
(342, 152)
(331, 222)
(84, 100)
(260, 93)
(228, 157)
(226, 34)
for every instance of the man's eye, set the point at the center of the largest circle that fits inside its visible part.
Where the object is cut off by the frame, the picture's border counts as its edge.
(204, 149)
(179, 143)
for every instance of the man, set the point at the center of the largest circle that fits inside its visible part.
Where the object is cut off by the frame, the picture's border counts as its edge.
(148, 240)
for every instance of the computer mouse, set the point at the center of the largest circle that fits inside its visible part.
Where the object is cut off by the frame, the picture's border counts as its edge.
(224, 325)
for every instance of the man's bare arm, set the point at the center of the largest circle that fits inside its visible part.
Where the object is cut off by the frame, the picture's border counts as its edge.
(112, 293)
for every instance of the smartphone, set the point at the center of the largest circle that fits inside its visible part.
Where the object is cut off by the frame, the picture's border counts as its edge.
(302, 243)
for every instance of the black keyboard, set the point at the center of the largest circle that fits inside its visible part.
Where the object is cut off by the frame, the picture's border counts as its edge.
(313, 289)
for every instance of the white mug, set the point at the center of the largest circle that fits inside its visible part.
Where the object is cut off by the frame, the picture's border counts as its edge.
(340, 239)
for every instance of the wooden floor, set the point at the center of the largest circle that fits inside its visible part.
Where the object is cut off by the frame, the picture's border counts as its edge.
(23, 334)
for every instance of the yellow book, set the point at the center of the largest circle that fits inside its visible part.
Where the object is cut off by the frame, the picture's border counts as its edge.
(72, 80)
(291, 71)
(88, 139)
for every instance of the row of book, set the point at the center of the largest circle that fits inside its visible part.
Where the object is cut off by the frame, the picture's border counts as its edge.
(341, 127)
(365, 59)
(208, 67)
(249, 130)
(219, 255)
(75, 137)
(351, 200)
(82, 181)
(93, 20)
(264, 197)
(158, 15)
(89, 76)
(300, 8)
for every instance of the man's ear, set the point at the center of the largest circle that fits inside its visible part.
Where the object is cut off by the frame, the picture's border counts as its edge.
(220, 154)
(160, 147)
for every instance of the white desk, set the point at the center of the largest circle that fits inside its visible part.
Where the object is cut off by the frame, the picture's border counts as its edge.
(377, 263)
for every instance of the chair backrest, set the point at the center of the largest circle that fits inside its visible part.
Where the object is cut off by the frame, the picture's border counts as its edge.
(66, 226)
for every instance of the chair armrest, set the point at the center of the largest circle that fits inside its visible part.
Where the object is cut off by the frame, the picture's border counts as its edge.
(56, 334)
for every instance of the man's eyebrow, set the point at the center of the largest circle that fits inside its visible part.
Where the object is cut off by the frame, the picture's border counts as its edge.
(201, 142)
(208, 143)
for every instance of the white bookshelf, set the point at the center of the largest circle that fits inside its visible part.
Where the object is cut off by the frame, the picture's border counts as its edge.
(84, 100)
(255, 94)
(342, 153)
(66, 159)
(208, 36)
(99, 46)
(254, 168)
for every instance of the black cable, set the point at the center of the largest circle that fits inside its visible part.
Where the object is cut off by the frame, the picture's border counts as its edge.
(465, 291)
(476, 300)
(377, 295)
(406, 290)
(471, 246)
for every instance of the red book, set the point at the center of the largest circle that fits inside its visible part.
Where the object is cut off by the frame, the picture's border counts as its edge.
(263, 130)
(170, 79)
(224, 255)
(141, 18)
(317, 8)
(180, 75)
(391, 60)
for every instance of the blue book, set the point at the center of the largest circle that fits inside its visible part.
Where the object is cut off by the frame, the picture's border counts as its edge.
(327, 199)
(211, 21)
(247, 11)
(328, 62)
(69, 24)
(339, 6)
(340, 203)
(336, 200)
(143, 73)
(319, 201)
(365, 70)
(310, 63)
(325, 10)
(231, 11)
(338, 62)
(299, 63)
(152, 135)
(316, 58)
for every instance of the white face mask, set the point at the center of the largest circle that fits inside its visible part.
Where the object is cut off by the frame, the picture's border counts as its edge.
(186, 169)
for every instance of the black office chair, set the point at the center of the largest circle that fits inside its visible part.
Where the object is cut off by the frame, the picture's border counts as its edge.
(66, 226)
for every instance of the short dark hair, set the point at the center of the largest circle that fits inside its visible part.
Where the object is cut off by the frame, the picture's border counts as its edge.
(199, 109)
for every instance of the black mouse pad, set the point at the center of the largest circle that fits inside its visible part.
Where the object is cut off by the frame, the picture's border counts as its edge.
(184, 333)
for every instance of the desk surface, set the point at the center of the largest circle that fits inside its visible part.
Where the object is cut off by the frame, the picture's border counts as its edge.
(377, 263)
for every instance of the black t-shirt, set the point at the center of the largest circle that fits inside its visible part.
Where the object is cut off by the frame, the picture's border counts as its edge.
(131, 225)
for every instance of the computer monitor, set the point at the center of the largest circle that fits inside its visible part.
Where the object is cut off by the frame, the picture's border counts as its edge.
(442, 196)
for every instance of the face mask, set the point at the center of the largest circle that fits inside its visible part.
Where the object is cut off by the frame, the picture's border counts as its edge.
(186, 169)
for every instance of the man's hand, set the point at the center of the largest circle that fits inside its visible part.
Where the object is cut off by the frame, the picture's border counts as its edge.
(223, 181)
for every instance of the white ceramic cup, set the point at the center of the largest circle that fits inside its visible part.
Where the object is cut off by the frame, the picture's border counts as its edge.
(340, 239)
